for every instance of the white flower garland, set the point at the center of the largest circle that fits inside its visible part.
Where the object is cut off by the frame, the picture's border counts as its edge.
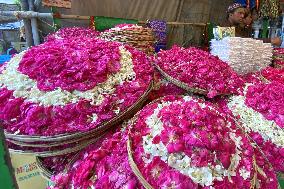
(26, 88)
(204, 176)
(254, 121)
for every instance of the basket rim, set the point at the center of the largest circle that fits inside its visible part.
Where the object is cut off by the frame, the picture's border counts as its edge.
(180, 83)
(47, 174)
(102, 127)
(56, 152)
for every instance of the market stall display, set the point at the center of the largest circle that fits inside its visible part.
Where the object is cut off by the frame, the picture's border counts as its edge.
(139, 37)
(178, 142)
(197, 71)
(270, 9)
(244, 55)
(114, 109)
(71, 89)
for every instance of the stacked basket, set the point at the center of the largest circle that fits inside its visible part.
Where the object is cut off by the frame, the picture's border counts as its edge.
(137, 36)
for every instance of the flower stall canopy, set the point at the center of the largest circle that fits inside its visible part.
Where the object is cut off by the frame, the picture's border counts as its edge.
(171, 11)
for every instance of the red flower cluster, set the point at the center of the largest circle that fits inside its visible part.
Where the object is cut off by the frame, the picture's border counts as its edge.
(71, 64)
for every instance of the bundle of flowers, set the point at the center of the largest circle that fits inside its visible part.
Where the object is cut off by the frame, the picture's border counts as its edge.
(187, 143)
(66, 33)
(198, 69)
(273, 74)
(162, 87)
(261, 116)
(137, 36)
(159, 28)
(104, 166)
(72, 85)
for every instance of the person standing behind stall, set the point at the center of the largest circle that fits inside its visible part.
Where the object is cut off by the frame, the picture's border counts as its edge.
(246, 24)
(237, 17)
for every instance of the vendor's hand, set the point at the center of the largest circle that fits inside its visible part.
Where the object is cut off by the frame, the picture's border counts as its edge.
(276, 41)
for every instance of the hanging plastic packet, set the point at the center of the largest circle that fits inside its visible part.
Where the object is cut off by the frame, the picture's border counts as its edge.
(222, 32)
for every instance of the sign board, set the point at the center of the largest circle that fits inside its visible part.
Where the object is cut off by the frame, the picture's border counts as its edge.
(222, 32)
(57, 3)
(27, 172)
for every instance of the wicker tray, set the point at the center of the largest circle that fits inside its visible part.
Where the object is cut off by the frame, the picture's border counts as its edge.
(134, 167)
(131, 161)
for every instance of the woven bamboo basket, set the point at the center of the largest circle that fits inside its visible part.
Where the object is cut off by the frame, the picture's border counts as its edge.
(58, 151)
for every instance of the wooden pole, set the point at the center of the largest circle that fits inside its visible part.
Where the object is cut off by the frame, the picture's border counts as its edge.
(32, 14)
(64, 16)
(26, 14)
(34, 24)
(27, 25)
